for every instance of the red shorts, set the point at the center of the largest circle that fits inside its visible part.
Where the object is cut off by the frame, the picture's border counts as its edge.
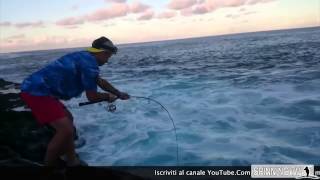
(46, 109)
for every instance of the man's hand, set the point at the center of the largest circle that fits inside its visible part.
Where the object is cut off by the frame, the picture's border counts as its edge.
(123, 96)
(96, 96)
(106, 86)
(112, 98)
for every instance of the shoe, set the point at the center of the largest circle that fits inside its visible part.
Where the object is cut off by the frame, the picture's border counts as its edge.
(78, 163)
(79, 142)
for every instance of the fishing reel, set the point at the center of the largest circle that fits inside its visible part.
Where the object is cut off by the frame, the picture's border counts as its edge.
(111, 107)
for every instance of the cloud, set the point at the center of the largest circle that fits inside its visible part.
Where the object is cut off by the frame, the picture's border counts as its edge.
(118, 8)
(259, 1)
(231, 3)
(14, 38)
(232, 16)
(197, 9)
(29, 24)
(75, 7)
(137, 7)
(249, 12)
(46, 42)
(243, 13)
(116, 1)
(181, 4)
(147, 15)
(186, 12)
(200, 9)
(207, 6)
(70, 21)
(15, 42)
(242, 9)
(167, 15)
(212, 5)
(20, 43)
(72, 27)
(121, 8)
(18, 36)
(37, 24)
(115, 10)
(110, 24)
(5, 23)
(215, 4)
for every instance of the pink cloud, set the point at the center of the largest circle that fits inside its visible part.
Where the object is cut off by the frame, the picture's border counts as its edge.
(116, 1)
(259, 1)
(233, 3)
(43, 42)
(206, 6)
(120, 8)
(49, 40)
(186, 12)
(215, 4)
(29, 24)
(115, 10)
(14, 38)
(167, 15)
(137, 7)
(5, 23)
(147, 15)
(70, 21)
(181, 4)
(11, 45)
(200, 9)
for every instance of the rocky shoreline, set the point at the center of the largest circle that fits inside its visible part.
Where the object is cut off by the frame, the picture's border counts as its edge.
(23, 144)
(22, 141)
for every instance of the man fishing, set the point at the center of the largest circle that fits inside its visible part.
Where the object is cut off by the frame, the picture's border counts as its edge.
(63, 79)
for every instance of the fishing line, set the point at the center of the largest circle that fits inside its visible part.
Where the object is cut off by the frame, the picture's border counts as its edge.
(112, 108)
(170, 117)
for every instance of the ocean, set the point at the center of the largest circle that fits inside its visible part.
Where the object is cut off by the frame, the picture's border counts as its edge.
(239, 99)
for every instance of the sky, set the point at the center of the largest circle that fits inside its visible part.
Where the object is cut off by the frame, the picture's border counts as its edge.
(47, 24)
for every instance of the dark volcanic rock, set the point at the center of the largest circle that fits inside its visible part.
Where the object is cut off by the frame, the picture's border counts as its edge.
(20, 132)
(6, 85)
(23, 143)
(9, 100)
(22, 140)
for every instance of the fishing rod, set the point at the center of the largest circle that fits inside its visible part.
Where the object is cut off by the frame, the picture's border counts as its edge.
(112, 108)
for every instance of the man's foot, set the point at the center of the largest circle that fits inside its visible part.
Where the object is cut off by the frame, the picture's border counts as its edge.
(79, 142)
(76, 163)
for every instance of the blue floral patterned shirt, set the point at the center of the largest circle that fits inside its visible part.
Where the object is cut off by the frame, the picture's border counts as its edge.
(65, 78)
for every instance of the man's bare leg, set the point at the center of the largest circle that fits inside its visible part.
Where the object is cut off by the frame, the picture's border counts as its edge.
(61, 143)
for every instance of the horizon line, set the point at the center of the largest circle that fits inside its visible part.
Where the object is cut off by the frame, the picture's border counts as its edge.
(164, 40)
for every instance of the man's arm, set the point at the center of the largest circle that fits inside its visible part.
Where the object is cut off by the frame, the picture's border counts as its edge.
(96, 96)
(106, 86)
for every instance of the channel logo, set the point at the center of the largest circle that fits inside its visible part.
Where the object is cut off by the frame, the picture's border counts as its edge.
(283, 171)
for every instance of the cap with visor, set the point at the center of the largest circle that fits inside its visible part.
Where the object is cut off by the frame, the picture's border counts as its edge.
(102, 44)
